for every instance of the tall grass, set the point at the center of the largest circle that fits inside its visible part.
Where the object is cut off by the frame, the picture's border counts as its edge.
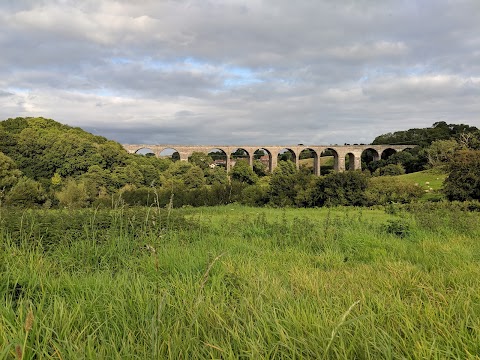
(235, 282)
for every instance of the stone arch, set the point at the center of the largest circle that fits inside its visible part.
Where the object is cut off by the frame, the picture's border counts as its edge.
(350, 161)
(386, 153)
(329, 162)
(169, 153)
(145, 151)
(240, 154)
(219, 157)
(264, 156)
(369, 155)
(308, 157)
(287, 154)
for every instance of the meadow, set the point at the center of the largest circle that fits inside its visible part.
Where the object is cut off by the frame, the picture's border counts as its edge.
(234, 282)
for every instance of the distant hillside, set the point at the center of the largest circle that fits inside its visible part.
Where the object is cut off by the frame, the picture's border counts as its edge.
(425, 136)
(41, 147)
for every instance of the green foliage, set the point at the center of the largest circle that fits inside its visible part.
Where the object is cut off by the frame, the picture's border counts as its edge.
(42, 147)
(242, 172)
(9, 174)
(282, 184)
(260, 168)
(14, 125)
(412, 160)
(385, 190)
(440, 152)
(463, 181)
(425, 136)
(255, 195)
(397, 227)
(112, 154)
(217, 175)
(144, 196)
(178, 168)
(73, 195)
(390, 170)
(194, 177)
(56, 180)
(201, 160)
(129, 174)
(345, 188)
(26, 193)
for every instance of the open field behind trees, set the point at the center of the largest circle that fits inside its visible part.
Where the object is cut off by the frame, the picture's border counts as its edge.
(239, 282)
(430, 181)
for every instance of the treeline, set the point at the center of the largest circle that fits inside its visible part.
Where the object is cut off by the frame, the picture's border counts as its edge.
(424, 137)
(47, 164)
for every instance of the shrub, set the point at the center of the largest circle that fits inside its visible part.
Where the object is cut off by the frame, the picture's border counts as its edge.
(345, 188)
(463, 181)
(73, 195)
(142, 196)
(398, 227)
(255, 195)
(384, 190)
(26, 193)
(242, 172)
(390, 170)
(282, 184)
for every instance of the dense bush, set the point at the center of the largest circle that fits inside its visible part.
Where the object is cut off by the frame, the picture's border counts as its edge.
(282, 184)
(384, 190)
(390, 170)
(255, 195)
(347, 188)
(463, 181)
(242, 172)
(26, 193)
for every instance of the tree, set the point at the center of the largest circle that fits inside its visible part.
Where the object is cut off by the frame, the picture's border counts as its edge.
(177, 168)
(194, 177)
(242, 172)
(9, 174)
(440, 152)
(385, 190)
(200, 159)
(258, 154)
(217, 175)
(98, 181)
(73, 195)
(26, 193)
(259, 168)
(425, 136)
(282, 184)
(344, 188)
(129, 174)
(390, 170)
(463, 181)
(56, 181)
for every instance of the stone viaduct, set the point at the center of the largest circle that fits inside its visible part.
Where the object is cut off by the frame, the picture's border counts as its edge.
(341, 153)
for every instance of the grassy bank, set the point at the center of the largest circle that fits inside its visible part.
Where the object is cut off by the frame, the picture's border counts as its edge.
(236, 282)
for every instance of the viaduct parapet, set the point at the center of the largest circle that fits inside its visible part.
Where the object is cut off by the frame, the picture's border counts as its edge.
(342, 154)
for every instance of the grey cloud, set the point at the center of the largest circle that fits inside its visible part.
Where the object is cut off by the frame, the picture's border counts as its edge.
(241, 71)
(5, 93)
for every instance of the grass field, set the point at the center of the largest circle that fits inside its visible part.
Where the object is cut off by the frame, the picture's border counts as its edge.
(427, 179)
(235, 282)
(431, 181)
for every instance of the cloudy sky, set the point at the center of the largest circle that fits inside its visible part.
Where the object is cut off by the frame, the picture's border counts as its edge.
(241, 71)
